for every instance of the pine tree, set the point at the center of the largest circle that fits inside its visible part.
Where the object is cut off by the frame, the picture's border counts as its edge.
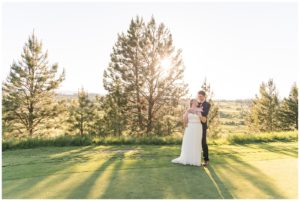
(264, 111)
(28, 92)
(288, 115)
(98, 122)
(163, 86)
(213, 116)
(137, 67)
(114, 106)
(7, 120)
(81, 114)
(126, 67)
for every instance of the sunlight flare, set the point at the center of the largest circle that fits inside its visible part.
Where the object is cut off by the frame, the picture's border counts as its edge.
(166, 63)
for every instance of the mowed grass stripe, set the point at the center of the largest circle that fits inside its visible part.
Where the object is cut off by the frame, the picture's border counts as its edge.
(236, 171)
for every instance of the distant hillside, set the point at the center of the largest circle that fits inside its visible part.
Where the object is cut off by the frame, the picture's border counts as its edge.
(73, 95)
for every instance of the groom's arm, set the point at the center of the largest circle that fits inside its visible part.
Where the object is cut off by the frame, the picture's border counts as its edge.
(206, 107)
(205, 112)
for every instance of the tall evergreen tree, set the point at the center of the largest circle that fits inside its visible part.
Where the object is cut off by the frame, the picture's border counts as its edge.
(288, 115)
(213, 116)
(164, 71)
(137, 66)
(126, 67)
(81, 114)
(98, 123)
(264, 112)
(28, 91)
(114, 106)
(7, 120)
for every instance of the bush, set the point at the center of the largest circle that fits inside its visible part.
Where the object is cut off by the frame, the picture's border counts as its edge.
(263, 137)
(145, 140)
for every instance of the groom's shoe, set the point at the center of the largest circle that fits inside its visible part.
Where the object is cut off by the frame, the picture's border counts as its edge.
(205, 164)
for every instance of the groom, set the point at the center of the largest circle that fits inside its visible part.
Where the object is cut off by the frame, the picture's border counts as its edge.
(202, 103)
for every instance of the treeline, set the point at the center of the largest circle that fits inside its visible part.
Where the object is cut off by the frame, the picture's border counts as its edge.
(268, 113)
(146, 93)
(143, 80)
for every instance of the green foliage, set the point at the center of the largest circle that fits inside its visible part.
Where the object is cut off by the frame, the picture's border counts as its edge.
(60, 141)
(28, 91)
(213, 116)
(288, 114)
(263, 137)
(139, 86)
(81, 114)
(87, 140)
(264, 113)
(98, 125)
(115, 113)
(145, 97)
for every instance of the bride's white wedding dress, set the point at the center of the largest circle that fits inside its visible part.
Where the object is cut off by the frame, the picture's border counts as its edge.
(191, 147)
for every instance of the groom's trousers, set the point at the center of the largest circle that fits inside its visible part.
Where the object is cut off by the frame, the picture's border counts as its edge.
(204, 144)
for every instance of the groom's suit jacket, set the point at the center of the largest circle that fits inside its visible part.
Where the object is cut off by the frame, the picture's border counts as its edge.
(206, 107)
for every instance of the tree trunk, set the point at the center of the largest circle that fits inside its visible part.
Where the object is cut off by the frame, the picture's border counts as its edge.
(138, 104)
(30, 120)
(150, 118)
(138, 99)
(81, 125)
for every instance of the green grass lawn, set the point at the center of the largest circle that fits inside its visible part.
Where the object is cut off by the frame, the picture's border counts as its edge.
(263, 170)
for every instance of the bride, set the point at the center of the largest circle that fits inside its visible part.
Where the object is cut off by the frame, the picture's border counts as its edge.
(191, 144)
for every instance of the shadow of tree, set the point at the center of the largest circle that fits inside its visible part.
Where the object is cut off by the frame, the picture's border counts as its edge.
(138, 176)
(35, 174)
(159, 182)
(83, 189)
(288, 151)
(248, 173)
(220, 186)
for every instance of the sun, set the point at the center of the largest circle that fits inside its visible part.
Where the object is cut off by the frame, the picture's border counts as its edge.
(165, 63)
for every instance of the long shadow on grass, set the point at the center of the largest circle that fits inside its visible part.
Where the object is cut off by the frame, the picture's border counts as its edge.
(10, 169)
(288, 151)
(159, 178)
(219, 185)
(249, 173)
(60, 172)
(85, 187)
(142, 178)
(39, 174)
(132, 181)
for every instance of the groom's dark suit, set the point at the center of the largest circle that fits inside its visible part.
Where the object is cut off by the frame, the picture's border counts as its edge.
(205, 105)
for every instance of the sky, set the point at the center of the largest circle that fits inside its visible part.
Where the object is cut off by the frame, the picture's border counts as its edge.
(235, 45)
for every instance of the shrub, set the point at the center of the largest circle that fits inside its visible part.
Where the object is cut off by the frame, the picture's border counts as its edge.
(263, 137)
(145, 140)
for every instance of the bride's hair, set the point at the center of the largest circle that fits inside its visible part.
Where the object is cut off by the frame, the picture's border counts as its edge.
(191, 101)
